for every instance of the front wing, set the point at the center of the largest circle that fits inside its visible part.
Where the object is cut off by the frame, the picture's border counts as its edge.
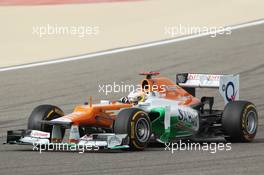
(40, 138)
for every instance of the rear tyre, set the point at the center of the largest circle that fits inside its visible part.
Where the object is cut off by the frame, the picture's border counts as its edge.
(44, 112)
(240, 121)
(136, 124)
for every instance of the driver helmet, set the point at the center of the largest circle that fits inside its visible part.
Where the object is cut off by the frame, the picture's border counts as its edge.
(136, 96)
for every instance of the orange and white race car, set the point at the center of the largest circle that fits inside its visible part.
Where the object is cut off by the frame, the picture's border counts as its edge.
(163, 110)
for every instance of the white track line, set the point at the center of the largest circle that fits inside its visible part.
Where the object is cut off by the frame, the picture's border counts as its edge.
(141, 46)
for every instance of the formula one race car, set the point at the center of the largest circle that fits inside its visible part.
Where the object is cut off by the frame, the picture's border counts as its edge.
(162, 110)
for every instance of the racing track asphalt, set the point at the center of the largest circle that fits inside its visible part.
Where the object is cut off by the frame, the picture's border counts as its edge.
(70, 83)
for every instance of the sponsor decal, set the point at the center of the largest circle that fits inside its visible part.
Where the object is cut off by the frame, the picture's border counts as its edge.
(230, 91)
(39, 134)
(204, 77)
(188, 116)
(114, 141)
(181, 78)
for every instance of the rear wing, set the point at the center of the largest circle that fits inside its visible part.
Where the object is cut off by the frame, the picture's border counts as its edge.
(228, 85)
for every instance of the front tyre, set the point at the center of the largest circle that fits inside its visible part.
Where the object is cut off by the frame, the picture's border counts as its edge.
(240, 121)
(136, 124)
(43, 112)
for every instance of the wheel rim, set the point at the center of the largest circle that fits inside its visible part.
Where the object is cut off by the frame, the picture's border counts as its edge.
(251, 122)
(142, 130)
